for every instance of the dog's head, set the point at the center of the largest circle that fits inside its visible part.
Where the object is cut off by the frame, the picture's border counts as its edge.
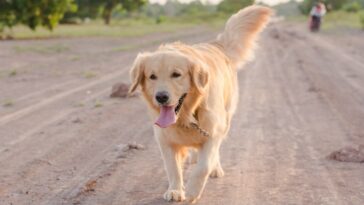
(166, 78)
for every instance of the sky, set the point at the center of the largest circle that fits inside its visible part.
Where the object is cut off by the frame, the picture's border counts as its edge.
(269, 2)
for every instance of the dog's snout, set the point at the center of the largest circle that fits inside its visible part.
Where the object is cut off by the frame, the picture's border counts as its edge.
(162, 97)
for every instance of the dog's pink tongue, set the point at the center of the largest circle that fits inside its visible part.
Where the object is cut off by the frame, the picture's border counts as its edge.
(166, 117)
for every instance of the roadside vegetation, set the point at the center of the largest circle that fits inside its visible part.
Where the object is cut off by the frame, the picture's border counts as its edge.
(342, 19)
(122, 18)
(8, 103)
(341, 13)
(120, 28)
(80, 18)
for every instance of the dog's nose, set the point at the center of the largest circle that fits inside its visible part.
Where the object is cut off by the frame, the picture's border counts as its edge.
(162, 97)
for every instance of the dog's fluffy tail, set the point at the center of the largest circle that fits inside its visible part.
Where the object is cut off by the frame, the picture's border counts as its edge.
(241, 31)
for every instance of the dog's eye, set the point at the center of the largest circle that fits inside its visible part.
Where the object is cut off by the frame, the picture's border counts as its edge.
(175, 75)
(153, 77)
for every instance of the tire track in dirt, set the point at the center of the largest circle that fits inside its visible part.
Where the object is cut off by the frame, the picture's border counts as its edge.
(60, 157)
(30, 97)
(338, 95)
(287, 81)
(340, 131)
(323, 115)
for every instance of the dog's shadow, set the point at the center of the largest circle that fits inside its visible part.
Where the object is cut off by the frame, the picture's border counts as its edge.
(159, 201)
(155, 201)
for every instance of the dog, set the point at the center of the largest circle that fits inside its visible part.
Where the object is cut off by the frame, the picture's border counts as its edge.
(192, 93)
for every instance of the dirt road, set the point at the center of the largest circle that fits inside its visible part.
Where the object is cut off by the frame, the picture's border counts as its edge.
(62, 138)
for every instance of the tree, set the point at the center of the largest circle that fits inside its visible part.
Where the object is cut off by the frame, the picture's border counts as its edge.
(110, 5)
(33, 13)
(361, 17)
(85, 9)
(306, 5)
(335, 4)
(105, 8)
(232, 6)
(7, 15)
(353, 7)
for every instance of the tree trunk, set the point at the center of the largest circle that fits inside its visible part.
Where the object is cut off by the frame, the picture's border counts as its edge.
(107, 17)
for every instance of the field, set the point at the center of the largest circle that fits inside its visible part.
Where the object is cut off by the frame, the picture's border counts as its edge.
(63, 138)
(122, 28)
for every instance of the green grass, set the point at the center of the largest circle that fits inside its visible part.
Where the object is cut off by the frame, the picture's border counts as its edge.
(13, 73)
(89, 74)
(121, 28)
(127, 47)
(52, 49)
(297, 19)
(341, 19)
(135, 46)
(79, 104)
(361, 17)
(98, 104)
(333, 20)
(8, 103)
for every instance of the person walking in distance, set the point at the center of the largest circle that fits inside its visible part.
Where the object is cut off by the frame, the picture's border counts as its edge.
(316, 14)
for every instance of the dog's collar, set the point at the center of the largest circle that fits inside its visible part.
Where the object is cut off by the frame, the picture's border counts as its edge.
(180, 101)
(193, 125)
(199, 129)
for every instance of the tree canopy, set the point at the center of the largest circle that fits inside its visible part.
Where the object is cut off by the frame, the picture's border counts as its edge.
(104, 8)
(306, 5)
(48, 13)
(33, 13)
(232, 6)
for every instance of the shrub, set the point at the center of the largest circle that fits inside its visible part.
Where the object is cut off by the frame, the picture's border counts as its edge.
(232, 6)
(361, 17)
(352, 7)
(33, 13)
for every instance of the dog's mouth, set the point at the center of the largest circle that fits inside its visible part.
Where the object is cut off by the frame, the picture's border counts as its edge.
(168, 114)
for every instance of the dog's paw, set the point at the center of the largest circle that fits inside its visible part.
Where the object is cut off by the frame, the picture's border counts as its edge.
(192, 198)
(174, 195)
(217, 172)
(193, 194)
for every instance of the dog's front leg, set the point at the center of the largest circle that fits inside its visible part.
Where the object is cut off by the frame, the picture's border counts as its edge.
(173, 161)
(207, 160)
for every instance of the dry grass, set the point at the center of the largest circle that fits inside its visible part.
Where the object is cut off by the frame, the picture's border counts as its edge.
(123, 28)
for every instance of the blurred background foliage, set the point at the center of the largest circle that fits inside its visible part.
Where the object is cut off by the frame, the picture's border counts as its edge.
(332, 5)
(34, 12)
(140, 14)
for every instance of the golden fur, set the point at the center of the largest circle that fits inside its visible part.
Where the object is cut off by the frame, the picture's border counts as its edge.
(208, 74)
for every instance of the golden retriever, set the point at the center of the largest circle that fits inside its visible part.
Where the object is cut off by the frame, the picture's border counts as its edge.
(192, 94)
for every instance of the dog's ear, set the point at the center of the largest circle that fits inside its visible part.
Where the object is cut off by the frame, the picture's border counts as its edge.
(199, 75)
(136, 72)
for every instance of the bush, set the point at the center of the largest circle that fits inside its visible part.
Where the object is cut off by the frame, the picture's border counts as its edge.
(361, 16)
(33, 13)
(306, 5)
(160, 19)
(232, 6)
(352, 7)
